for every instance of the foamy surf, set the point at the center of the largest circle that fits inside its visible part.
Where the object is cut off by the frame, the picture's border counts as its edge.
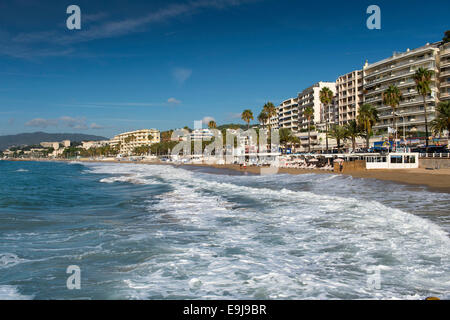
(161, 232)
(12, 293)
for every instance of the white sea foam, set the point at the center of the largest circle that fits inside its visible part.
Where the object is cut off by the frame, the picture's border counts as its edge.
(12, 293)
(8, 260)
(22, 170)
(251, 241)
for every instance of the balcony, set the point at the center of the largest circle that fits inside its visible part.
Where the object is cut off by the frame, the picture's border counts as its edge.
(400, 65)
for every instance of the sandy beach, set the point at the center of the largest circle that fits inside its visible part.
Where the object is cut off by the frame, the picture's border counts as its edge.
(436, 180)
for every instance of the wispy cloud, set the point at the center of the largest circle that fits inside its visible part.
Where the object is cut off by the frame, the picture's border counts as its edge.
(173, 101)
(65, 121)
(207, 119)
(181, 74)
(96, 126)
(22, 45)
(42, 123)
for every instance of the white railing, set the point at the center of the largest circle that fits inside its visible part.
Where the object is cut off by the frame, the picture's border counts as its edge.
(435, 155)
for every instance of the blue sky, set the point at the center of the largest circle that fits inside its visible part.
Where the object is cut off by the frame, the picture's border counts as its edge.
(164, 64)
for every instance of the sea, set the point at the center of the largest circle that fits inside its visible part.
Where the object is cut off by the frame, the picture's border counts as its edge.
(136, 231)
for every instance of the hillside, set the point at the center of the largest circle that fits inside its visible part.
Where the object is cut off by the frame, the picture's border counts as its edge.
(38, 137)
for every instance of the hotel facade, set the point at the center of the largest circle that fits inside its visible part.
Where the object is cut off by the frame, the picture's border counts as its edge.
(349, 96)
(399, 70)
(366, 85)
(128, 141)
(444, 75)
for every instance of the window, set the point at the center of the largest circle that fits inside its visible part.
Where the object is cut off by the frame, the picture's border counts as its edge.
(396, 159)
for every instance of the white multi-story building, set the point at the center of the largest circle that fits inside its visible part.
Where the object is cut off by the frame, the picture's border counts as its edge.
(399, 70)
(444, 55)
(201, 135)
(310, 97)
(54, 145)
(349, 96)
(288, 114)
(94, 144)
(128, 141)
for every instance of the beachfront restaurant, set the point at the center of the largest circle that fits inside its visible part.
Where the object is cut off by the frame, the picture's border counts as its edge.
(393, 161)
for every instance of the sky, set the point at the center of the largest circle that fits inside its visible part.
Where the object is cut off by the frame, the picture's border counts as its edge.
(165, 64)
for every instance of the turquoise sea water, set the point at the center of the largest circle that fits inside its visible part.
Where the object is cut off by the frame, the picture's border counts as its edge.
(160, 232)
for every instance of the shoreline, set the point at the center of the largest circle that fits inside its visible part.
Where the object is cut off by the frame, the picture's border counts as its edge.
(435, 180)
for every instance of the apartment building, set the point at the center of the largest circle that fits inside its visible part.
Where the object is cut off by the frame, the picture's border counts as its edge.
(54, 145)
(288, 114)
(128, 141)
(399, 70)
(272, 121)
(201, 135)
(444, 76)
(349, 96)
(310, 97)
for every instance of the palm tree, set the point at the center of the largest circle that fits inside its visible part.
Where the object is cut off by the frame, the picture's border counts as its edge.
(392, 97)
(262, 118)
(212, 124)
(308, 113)
(339, 133)
(422, 77)
(442, 121)
(247, 116)
(353, 131)
(367, 117)
(446, 36)
(270, 110)
(326, 97)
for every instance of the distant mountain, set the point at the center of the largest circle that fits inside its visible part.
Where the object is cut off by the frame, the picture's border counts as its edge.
(38, 137)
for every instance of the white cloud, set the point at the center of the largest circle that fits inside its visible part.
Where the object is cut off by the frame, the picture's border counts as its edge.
(20, 45)
(42, 123)
(173, 101)
(206, 120)
(181, 74)
(65, 121)
(75, 123)
(96, 126)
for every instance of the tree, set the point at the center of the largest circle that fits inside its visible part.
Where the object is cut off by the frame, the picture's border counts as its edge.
(367, 117)
(446, 36)
(262, 118)
(130, 138)
(353, 132)
(422, 77)
(212, 124)
(247, 116)
(339, 133)
(442, 120)
(270, 110)
(141, 150)
(308, 113)
(326, 97)
(392, 97)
